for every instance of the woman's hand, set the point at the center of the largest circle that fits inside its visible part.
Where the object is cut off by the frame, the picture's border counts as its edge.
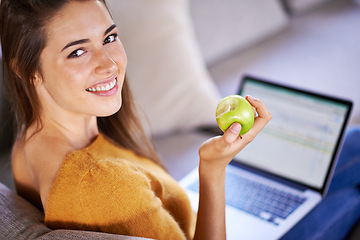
(217, 152)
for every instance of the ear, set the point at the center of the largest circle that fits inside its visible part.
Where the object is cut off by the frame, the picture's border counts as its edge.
(37, 79)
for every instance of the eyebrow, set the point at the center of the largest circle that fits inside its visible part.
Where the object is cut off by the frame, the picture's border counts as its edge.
(87, 40)
(109, 29)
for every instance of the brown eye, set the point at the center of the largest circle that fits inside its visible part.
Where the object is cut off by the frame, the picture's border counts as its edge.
(76, 53)
(111, 38)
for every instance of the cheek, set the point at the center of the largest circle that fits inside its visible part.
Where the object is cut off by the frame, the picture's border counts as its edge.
(64, 74)
(65, 84)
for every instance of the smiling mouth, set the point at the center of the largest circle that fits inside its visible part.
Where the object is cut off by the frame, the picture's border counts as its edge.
(103, 87)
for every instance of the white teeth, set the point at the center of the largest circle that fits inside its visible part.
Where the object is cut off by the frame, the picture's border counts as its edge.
(102, 88)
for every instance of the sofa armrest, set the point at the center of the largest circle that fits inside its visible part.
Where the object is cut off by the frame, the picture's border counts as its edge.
(83, 235)
(21, 220)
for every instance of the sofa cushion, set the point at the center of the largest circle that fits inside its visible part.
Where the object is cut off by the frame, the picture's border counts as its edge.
(226, 26)
(165, 70)
(21, 220)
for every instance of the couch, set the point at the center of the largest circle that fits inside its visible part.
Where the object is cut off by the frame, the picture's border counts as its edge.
(185, 55)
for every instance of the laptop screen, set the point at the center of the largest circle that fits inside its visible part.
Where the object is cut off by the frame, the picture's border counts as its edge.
(300, 142)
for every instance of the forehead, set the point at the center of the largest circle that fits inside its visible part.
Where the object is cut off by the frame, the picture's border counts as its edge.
(78, 19)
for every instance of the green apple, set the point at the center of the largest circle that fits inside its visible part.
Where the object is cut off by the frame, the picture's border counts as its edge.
(235, 108)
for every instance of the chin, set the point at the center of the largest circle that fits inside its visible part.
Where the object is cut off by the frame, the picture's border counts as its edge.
(109, 111)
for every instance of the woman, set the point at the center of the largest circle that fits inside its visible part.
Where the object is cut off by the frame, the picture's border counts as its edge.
(80, 152)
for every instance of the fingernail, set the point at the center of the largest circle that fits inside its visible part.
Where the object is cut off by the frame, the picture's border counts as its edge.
(250, 97)
(235, 128)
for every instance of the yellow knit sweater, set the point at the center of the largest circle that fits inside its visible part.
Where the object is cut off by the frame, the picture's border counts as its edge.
(109, 189)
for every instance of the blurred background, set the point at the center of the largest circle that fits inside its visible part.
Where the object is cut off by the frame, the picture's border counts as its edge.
(312, 44)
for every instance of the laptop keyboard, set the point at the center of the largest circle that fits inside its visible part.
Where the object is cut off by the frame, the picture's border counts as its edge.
(260, 200)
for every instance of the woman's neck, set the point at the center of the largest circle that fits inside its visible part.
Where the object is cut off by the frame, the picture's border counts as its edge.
(78, 131)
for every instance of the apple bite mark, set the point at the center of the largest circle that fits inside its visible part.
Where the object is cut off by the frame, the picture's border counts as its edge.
(226, 105)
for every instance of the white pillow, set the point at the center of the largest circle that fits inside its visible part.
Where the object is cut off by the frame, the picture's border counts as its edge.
(166, 71)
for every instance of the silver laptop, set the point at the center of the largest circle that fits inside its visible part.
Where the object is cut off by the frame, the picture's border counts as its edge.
(286, 171)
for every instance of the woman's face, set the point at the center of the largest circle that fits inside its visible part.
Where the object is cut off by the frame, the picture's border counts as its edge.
(83, 63)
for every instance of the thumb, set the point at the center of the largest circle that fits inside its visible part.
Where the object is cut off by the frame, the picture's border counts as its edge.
(231, 134)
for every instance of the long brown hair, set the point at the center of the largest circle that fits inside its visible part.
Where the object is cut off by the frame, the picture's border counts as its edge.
(23, 38)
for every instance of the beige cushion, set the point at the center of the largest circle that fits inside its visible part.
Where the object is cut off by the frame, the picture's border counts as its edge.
(166, 71)
(225, 26)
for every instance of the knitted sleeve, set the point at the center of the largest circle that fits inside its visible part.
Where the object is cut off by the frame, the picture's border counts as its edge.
(116, 197)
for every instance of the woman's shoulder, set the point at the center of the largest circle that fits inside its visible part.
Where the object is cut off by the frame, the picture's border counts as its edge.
(36, 161)
(23, 179)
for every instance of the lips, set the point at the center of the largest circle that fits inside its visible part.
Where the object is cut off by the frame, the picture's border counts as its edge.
(103, 87)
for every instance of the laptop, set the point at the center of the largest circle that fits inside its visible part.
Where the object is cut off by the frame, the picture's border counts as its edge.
(286, 171)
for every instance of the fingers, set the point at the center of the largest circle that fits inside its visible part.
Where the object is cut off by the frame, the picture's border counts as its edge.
(259, 107)
(220, 150)
(230, 135)
(255, 114)
(264, 116)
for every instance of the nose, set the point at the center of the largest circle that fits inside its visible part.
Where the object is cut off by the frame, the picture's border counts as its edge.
(106, 64)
